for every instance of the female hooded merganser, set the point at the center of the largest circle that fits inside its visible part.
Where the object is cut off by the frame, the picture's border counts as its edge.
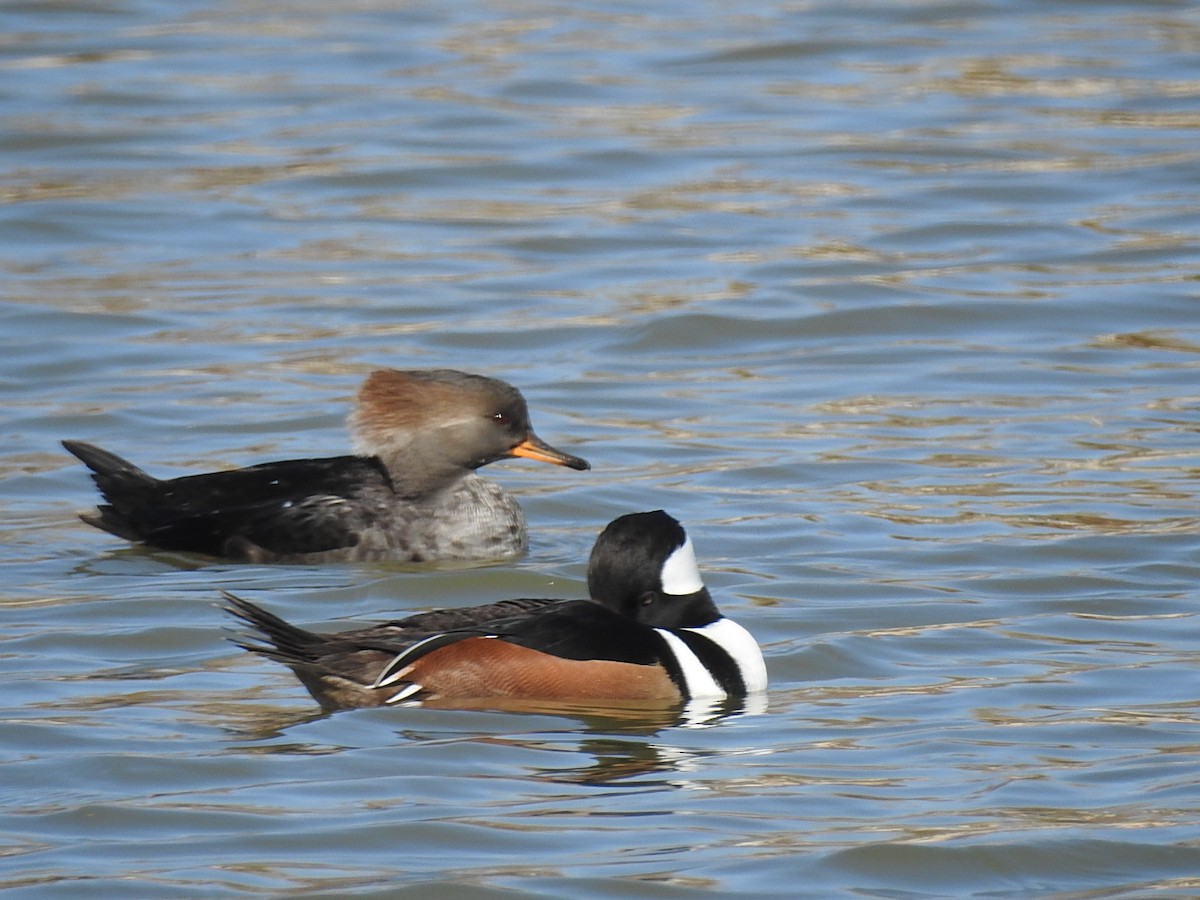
(410, 495)
(649, 632)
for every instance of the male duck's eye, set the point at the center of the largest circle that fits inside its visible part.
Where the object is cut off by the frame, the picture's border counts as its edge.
(647, 599)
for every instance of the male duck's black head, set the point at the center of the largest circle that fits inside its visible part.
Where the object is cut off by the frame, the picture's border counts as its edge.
(643, 566)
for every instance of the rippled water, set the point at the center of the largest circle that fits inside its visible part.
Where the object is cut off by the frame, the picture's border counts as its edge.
(893, 304)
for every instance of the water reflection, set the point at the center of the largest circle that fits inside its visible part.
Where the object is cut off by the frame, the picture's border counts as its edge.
(622, 741)
(624, 718)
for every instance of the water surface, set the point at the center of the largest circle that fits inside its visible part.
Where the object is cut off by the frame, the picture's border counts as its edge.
(894, 305)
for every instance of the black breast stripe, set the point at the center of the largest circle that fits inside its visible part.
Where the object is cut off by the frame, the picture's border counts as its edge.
(665, 657)
(723, 667)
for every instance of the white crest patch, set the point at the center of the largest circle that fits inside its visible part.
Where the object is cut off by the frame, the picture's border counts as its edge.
(742, 649)
(680, 574)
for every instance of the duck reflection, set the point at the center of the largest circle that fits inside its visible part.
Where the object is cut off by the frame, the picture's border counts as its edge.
(624, 741)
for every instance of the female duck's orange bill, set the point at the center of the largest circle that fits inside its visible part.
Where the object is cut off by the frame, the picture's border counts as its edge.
(533, 447)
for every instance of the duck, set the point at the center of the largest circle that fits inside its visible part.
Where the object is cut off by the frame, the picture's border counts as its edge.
(648, 632)
(410, 492)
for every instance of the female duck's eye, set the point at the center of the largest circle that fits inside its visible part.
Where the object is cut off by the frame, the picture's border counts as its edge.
(501, 419)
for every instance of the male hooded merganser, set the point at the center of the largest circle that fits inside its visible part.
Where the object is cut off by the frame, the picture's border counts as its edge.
(649, 632)
(410, 495)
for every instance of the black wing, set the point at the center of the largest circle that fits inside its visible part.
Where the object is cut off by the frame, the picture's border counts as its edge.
(469, 619)
(291, 507)
(583, 629)
(569, 629)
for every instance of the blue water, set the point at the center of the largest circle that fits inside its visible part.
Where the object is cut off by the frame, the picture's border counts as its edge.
(895, 305)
